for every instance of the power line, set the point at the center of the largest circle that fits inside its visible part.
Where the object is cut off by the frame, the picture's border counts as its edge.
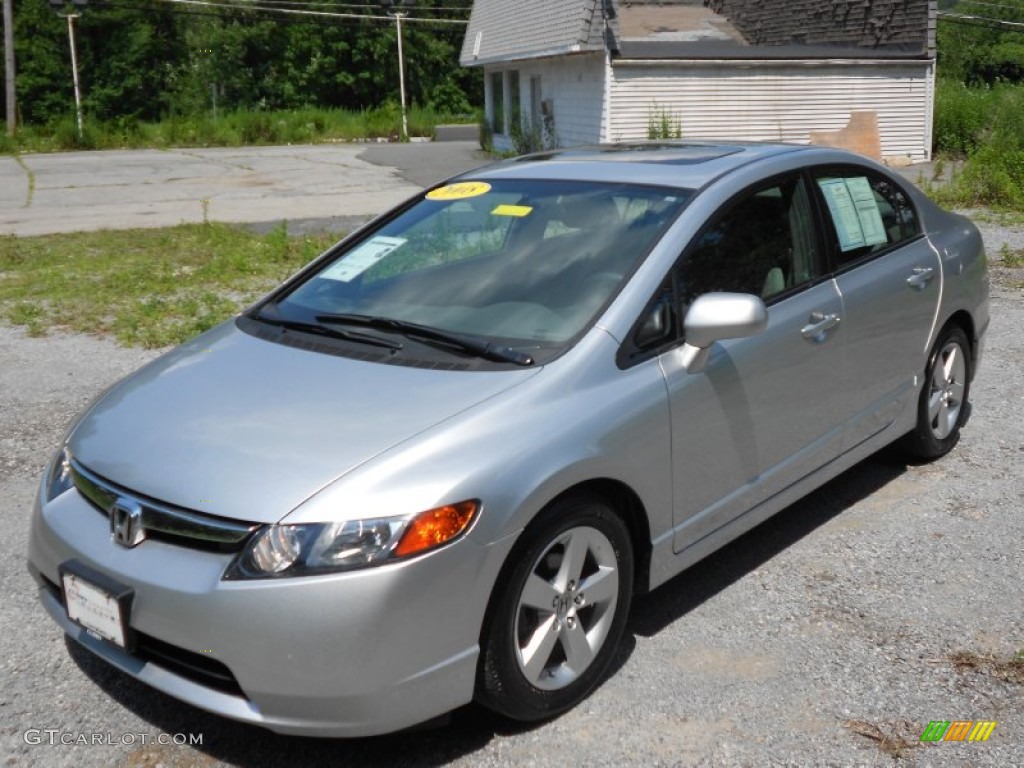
(257, 7)
(1017, 8)
(327, 3)
(985, 21)
(210, 13)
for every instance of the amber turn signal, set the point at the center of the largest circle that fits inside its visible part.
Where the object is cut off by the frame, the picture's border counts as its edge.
(435, 527)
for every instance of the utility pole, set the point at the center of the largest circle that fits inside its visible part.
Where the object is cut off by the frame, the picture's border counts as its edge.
(398, 16)
(401, 76)
(74, 55)
(12, 104)
(74, 70)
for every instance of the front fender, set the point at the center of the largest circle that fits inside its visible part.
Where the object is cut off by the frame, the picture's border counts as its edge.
(579, 419)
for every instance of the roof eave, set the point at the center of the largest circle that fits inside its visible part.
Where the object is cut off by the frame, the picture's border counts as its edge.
(547, 53)
(650, 50)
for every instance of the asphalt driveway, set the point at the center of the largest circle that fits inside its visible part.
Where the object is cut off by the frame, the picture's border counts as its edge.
(309, 186)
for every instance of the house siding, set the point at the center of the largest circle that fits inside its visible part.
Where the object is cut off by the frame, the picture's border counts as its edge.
(575, 85)
(777, 101)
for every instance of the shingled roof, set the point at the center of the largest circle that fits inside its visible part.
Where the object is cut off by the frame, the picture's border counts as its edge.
(501, 30)
(872, 24)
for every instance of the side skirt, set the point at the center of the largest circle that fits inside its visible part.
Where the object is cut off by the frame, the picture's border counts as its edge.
(665, 563)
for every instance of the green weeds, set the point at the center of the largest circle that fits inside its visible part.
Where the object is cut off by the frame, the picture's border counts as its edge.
(232, 129)
(146, 287)
(985, 125)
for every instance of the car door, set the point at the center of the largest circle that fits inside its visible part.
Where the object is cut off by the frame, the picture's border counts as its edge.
(767, 410)
(890, 279)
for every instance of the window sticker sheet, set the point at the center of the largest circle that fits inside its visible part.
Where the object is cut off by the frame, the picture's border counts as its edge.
(364, 256)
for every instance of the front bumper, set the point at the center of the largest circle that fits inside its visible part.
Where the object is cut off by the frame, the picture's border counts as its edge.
(350, 654)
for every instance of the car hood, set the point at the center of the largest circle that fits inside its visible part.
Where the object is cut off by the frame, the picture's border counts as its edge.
(245, 428)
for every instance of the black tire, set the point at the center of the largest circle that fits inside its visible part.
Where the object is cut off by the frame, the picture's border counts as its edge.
(944, 404)
(533, 686)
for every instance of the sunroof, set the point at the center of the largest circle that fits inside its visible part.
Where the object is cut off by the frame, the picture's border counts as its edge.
(664, 154)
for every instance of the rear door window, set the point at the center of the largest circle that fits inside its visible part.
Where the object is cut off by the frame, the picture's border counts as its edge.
(867, 213)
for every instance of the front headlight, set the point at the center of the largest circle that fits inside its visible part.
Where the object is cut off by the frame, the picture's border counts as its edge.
(58, 474)
(309, 549)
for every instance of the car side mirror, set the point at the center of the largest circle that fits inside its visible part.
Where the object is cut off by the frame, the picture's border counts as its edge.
(717, 316)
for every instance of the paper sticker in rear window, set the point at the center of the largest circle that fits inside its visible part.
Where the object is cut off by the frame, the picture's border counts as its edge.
(854, 211)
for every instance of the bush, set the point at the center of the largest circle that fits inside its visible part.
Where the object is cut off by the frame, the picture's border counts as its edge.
(448, 98)
(528, 137)
(967, 118)
(999, 63)
(961, 116)
(486, 134)
(992, 176)
(987, 126)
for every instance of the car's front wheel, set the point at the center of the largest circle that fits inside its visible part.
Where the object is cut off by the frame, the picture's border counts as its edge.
(559, 611)
(943, 406)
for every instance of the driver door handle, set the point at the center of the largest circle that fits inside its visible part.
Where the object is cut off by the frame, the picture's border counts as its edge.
(921, 277)
(818, 325)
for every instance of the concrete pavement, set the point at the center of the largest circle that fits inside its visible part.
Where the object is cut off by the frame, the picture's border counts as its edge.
(124, 189)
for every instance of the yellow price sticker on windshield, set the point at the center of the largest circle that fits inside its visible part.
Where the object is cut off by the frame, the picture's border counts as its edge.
(459, 191)
(512, 210)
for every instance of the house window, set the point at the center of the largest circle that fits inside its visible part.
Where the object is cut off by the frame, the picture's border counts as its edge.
(514, 103)
(498, 102)
(535, 101)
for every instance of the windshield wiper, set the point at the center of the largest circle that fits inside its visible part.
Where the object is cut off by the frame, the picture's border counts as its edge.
(484, 349)
(270, 314)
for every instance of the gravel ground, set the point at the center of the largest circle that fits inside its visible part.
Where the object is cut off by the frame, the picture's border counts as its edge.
(830, 635)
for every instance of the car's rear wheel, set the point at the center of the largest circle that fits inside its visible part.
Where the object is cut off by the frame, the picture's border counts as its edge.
(943, 407)
(559, 611)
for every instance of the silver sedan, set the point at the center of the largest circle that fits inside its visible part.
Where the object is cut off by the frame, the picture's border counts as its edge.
(436, 464)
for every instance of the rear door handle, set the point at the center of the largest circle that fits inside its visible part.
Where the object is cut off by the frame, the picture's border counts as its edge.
(921, 277)
(818, 325)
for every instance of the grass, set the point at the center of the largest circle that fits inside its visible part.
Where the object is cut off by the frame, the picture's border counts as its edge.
(231, 129)
(894, 739)
(1010, 257)
(146, 287)
(1009, 669)
(31, 182)
(898, 738)
(1002, 218)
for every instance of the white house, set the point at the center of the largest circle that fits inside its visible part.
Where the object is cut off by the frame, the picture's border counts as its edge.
(600, 70)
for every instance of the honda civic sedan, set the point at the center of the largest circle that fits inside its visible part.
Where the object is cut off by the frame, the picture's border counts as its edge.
(435, 465)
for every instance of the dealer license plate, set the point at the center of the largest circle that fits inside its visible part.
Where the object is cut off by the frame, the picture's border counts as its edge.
(101, 610)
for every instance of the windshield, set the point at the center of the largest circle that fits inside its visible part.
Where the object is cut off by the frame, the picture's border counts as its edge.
(529, 263)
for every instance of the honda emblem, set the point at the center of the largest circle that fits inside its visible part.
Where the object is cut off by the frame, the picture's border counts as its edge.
(126, 523)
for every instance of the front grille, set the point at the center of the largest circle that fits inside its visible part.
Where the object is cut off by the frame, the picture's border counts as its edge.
(176, 525)
(196, 667)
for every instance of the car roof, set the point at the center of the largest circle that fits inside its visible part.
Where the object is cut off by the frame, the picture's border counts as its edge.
(684, 164)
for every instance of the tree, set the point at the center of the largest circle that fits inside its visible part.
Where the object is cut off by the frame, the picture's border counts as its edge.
(148, 59)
